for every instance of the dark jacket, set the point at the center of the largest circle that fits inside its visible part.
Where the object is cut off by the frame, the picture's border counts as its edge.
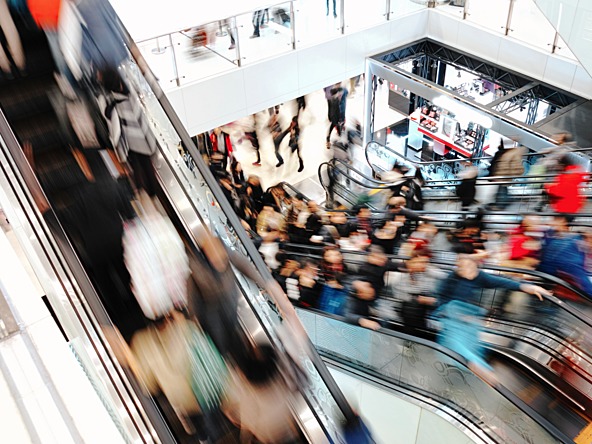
(356, 308)
(455, 287)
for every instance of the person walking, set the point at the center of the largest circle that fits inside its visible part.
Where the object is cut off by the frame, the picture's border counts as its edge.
(257, 21)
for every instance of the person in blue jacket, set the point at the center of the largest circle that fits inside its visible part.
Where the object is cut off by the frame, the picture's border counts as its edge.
(563, 254)
(460, 315)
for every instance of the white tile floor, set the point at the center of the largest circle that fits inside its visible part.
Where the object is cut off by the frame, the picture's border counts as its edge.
(46, 397)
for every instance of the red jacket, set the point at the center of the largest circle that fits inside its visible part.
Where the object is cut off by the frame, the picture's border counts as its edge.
(46, 13)
(565, 193)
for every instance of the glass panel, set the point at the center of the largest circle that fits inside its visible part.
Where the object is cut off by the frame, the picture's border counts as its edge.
(159, 56)
(490, 15)
(316, 21)
(265, 33)
(563, 50)
(204, 51)
(214, 217)
(427, 370)
(359, 15)
(530, 25)
(452, 9)
(402, 7)
(191, 54)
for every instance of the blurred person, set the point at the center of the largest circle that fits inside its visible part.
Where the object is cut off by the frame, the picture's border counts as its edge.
(336, 110)
(278, 136)
(524, 245)
(277, 197)
(270, 218)
(251, 136)
(467, 189)
(565, 193)
(229, 190)
(563, 255)
(222, 145)
(309, 284)
(508, 163)
(130, 132)
(270, 246)
(333, 272)
(374, 269)
(460, 313)
(214, 294)
(396, 207)
(420, 239)
(94, 217)
(363, 221)
(466, 281)
(238, 175)
(359, 304)
(417, 288)
(334, 9)
(258, 399)
(468, 239)
(160, 360)
(294, 142)
(387, 235)
(337, 228)
(461, 324)
(288, 268)
(314, 221)
(297, 220)
(13, 43)
(257, 19)
(255, 192)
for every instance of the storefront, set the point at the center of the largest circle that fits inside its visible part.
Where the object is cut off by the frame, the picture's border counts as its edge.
(458, 106)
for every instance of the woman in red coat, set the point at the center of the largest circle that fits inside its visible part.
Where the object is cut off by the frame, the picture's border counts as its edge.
(565, 193)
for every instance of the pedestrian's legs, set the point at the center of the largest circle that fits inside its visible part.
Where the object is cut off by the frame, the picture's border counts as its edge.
(331, 127)
(277, 142)
(257, 15)
(11, 34)
(334, 9)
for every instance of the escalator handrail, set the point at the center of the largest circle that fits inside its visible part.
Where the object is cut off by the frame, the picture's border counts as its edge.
(233, 219)
(534, 273)
(435, 162)
(502, 390)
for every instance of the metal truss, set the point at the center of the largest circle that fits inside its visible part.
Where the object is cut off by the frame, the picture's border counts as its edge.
(429, 49)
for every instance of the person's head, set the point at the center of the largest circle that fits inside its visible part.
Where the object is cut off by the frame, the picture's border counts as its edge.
(470, 227)
(313, 207)
(260, 364)
(310, 265)
(332, 255)
(254, 180)
(466, 267)
(365, 291)
(428, 230)
(338, 218)
(418, 262)
(561, 223)
(376, 256)
(396, 202)
(363, 212)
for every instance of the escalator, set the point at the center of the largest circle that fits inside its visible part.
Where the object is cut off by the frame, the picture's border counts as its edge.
(433, 376)
(546, 345)
(192, 199)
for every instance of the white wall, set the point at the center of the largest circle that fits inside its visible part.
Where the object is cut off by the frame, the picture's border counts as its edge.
(216, 101)
(512, 54)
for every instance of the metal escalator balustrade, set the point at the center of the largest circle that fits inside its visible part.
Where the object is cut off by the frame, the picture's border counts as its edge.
(550, 335)
(195, 193)
(432, 371)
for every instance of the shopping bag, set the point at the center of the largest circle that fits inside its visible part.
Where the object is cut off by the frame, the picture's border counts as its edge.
(209, 373)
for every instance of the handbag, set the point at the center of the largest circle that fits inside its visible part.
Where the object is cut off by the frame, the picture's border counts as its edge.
(209, 373)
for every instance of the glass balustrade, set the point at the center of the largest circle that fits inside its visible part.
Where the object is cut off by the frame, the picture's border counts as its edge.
(427, 370)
